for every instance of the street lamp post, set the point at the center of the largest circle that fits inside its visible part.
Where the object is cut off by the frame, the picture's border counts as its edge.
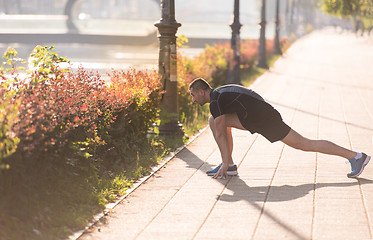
(235, 44)
(167, 28)
(262, 61)
(72, 28)
(277, 33)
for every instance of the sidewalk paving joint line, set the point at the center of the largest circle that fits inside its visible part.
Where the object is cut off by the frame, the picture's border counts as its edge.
(225, 186)
(212, 208)
(358, 180)
(172, 197)
(262, 211)
(315, 175)
(267, 193)
(361, 189)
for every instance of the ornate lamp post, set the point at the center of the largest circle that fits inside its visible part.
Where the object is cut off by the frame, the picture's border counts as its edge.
(235, 44)
(277, 33)
(167, 28)
(262, 61)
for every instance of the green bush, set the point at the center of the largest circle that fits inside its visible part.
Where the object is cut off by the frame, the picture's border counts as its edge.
(8, 106)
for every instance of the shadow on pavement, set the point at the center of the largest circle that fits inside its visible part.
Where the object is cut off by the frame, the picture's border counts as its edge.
(280, 193)
(258, 196)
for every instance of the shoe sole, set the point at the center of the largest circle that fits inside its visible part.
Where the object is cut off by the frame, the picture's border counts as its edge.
(362, 168)
(229, 173)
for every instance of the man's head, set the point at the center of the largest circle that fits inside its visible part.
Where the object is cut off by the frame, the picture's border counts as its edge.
(200, 91)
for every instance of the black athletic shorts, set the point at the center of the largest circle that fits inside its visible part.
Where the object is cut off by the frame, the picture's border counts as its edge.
(260, 117)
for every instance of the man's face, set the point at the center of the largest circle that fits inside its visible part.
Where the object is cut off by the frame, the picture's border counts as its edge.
(198, 96)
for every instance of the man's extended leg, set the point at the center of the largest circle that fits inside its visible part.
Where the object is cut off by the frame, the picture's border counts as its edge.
(295, 140)
(358, 161)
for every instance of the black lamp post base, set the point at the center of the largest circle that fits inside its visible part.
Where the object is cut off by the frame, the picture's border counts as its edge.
(173, 128)
(262, 65)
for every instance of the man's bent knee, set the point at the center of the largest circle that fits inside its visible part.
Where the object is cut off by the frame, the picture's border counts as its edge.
(232, 120)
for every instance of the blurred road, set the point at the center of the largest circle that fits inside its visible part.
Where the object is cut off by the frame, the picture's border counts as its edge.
(139, 50)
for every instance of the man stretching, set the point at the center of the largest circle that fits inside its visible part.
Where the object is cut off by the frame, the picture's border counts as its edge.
(239, 107)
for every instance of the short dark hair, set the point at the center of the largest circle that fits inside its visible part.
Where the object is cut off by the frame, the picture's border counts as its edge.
(199, 84)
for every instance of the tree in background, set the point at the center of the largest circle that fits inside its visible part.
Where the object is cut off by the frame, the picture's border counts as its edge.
(302, 17)
(359, 11)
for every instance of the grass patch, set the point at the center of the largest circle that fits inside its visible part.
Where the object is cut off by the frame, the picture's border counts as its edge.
(196, 121)
(51, 196)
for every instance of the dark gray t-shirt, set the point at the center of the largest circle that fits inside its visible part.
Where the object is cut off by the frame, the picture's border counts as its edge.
(232, 98)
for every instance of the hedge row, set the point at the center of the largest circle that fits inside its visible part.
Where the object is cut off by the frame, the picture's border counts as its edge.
(51, 106)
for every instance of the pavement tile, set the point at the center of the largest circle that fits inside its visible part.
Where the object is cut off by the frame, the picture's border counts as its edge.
(340, 231)
(283, 231)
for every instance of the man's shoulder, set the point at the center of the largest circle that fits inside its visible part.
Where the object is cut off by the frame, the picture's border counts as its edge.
(229, 87)
(226, 92)
(232, 88)
(236, 89)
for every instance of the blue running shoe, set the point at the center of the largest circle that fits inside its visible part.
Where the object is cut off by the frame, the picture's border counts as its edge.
(353, 163)
(232, 170)
(359, 165)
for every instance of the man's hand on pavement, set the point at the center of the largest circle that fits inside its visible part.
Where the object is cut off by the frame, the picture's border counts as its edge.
(222, 171)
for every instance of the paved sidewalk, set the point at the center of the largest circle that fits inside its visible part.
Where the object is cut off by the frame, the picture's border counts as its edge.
(323, 88)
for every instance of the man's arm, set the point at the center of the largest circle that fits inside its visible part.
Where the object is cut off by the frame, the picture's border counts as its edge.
(221, 138)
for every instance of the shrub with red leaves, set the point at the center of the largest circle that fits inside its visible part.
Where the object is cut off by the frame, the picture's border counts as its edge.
(135, 98)
(58, 105)
(82, 101)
